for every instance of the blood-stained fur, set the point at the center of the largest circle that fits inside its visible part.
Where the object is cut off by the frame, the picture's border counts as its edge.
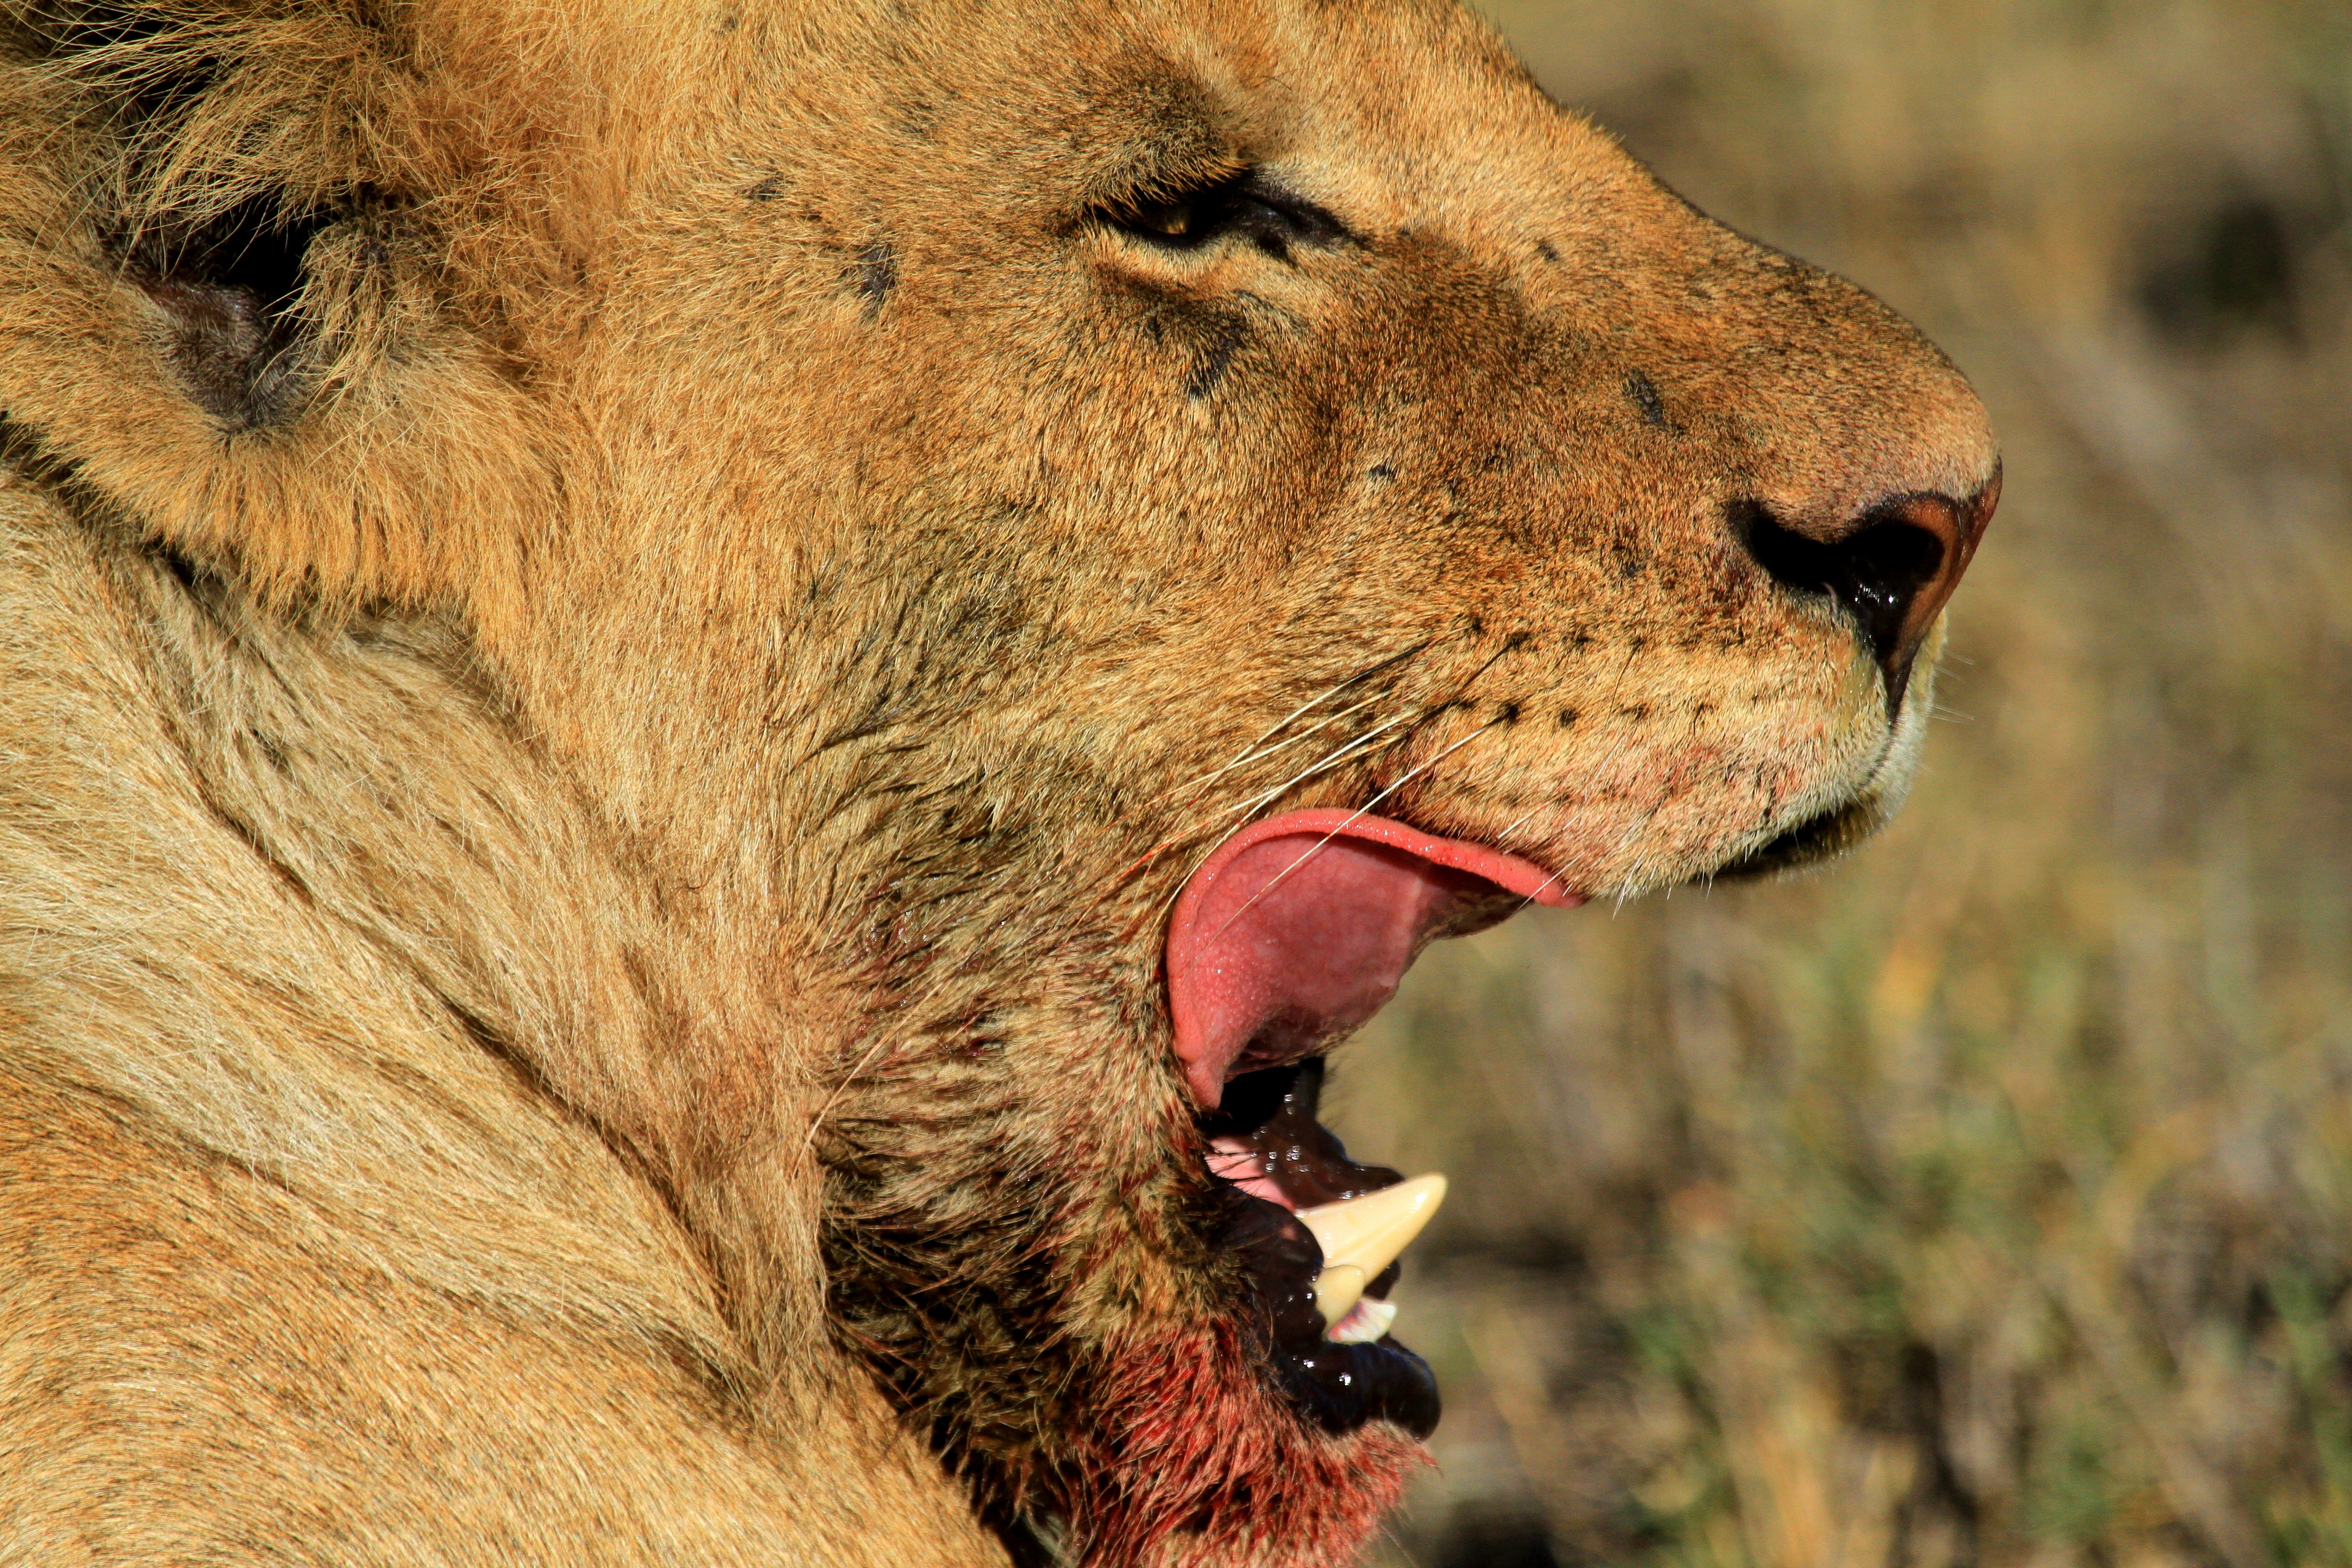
(619, 626)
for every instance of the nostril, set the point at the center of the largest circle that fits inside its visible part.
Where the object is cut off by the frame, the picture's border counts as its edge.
(1879, 572)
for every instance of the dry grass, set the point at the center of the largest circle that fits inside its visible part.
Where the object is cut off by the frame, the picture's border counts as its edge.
(1987, 1199)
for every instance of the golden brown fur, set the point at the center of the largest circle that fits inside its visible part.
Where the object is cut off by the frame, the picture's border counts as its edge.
(589, 791)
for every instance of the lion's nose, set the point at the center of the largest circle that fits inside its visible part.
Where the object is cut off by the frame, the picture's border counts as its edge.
(1892, 567)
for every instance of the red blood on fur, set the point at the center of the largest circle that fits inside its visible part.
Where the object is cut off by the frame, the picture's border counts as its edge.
(1196, 1463)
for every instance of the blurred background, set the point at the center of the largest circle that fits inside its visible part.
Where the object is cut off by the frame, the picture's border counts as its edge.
(1986, 1198)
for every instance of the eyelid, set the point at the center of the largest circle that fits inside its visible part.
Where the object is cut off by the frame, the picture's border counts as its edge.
(1259, 185)
(1316, 223)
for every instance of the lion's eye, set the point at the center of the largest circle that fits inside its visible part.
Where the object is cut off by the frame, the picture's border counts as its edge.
(1164, 220)
(1246, 205)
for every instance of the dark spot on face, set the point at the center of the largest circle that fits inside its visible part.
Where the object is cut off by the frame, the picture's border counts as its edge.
(1642, 392)
(876, 273)
(916, 118)
(1567, 717)
(1507, 713)
(1382, 472)
(1544, 249)
(728, 23)
(769, 189)
(1211, 367)
(1637, 712)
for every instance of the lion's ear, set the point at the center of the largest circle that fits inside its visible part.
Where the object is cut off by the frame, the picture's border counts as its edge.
(225, 316)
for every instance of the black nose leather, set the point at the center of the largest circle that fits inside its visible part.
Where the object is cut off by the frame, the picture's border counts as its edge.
(1891, 568)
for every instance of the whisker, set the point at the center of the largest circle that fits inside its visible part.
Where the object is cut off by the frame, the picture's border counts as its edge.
(1353, 751)
(1250, 751)
(888, 1043)
(1537, 891)
(1325, 764)
(1368, 742)
(816, 1122)
(1349, 751)
(1629, 882)
(1511, 644)
(1318, 726)
(1500, 838)
(1352, 817)
(1514, 827)
(1345, 751)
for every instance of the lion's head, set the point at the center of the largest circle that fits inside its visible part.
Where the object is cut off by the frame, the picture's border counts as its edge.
(1051, 548)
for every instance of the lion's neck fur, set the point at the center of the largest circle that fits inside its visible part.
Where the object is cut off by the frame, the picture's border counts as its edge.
(312, 899)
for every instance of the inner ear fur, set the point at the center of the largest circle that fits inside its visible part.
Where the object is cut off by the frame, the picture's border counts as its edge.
(225, 316)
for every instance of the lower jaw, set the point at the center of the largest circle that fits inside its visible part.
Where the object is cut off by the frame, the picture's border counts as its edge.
(1181, 1467)
(1336, 1387)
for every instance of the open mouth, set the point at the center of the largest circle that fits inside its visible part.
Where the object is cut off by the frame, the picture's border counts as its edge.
(1294, 933)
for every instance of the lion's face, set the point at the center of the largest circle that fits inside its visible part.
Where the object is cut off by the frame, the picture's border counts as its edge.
(1067, 544)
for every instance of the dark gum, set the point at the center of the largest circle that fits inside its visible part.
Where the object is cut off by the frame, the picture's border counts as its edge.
(1338, 1387)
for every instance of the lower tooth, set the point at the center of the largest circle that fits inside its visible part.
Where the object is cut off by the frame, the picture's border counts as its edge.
(1367, 1321)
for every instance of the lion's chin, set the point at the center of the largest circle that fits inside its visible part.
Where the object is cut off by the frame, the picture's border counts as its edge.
(1188, 1471)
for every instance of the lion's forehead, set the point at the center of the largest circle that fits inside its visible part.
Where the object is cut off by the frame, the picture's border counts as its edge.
(1403, 111)
(937, 153)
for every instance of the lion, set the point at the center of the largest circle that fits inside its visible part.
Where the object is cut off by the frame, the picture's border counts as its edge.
(712, 709)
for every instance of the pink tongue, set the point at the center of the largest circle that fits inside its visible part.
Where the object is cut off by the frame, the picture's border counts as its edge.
(1299, 928)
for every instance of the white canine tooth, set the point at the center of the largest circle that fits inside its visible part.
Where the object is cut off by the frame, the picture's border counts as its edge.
(1360, 1236)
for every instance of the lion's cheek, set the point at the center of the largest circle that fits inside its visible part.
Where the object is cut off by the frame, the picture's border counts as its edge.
(1191, 1460)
